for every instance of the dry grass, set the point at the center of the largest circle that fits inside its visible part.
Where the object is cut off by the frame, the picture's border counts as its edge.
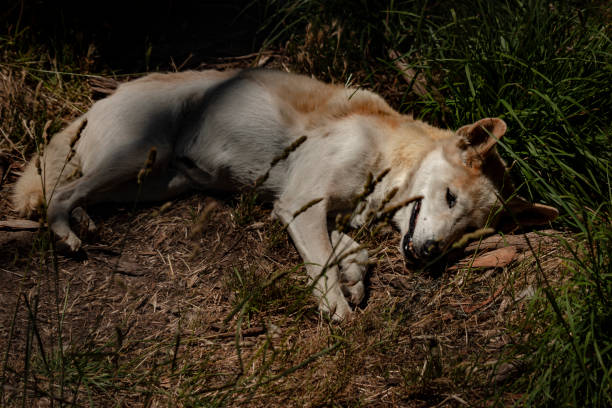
(157, 315)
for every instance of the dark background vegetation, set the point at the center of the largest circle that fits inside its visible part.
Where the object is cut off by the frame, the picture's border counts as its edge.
(135, 36)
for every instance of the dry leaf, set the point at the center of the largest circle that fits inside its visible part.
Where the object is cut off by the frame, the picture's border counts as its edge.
(495, 259)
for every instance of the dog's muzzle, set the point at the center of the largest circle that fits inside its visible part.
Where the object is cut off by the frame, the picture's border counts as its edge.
(412, 253)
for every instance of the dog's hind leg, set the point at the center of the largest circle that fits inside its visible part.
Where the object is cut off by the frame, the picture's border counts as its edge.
(104, 186)
(353, 262)
(114, 180)
(311, 238)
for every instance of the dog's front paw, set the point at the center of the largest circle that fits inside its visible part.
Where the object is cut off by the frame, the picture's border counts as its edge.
(353, 291)
(352, 272)
(353, 266)
(335, 306)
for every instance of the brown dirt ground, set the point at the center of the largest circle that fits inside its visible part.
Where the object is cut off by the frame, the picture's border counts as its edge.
(141, 317)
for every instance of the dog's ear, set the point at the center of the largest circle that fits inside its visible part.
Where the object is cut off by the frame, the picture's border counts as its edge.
(520, 212)
(478, 140)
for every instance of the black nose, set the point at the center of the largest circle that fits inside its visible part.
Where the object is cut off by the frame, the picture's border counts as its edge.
(430, 248)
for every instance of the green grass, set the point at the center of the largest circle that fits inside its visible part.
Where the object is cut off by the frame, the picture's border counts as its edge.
(545, 68)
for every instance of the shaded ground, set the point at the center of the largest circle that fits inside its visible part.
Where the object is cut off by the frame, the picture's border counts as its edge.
(181, 304)
(139, 36)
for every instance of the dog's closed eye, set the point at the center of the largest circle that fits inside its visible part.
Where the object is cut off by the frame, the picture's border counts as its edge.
(451, 199)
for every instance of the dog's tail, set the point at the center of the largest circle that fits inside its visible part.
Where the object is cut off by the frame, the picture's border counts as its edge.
(52, 168)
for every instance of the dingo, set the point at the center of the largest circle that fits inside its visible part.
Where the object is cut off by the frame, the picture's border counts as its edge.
(221, 130)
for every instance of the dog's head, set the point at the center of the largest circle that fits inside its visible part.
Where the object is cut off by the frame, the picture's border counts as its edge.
(462, 184)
